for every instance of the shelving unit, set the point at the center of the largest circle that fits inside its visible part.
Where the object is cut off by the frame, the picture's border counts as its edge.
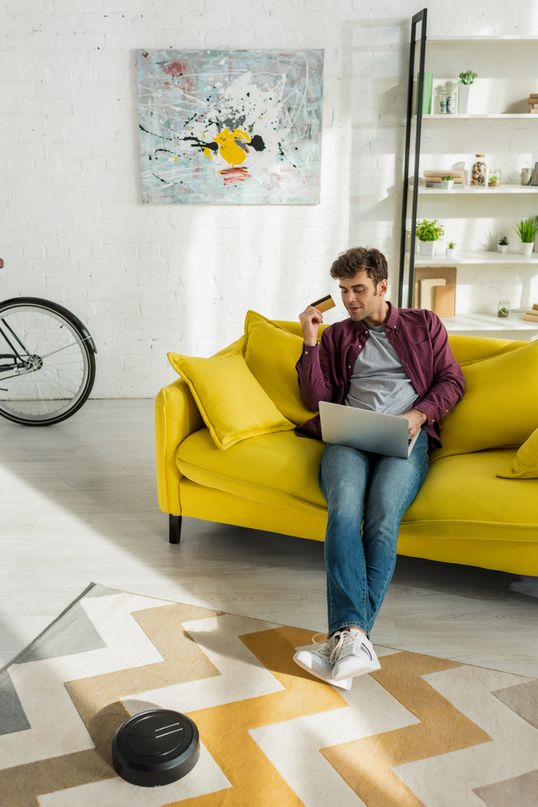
(507, 68)
(494, 115)
(472, 191)
(484, 258)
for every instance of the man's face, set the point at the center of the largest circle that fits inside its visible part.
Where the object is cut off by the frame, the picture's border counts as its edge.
(362, 298)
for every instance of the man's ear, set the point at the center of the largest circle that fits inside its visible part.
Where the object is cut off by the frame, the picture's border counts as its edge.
(382, 286)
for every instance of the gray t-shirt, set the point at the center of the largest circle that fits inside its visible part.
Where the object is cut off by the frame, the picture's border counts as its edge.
(378, 380)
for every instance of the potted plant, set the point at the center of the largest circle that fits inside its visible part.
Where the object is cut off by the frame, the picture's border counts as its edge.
(502, 245)
(447, 183)
(466, 78)
(527, 229)
(428, 232)
(503, 312)
(493, 181)
(451, 249)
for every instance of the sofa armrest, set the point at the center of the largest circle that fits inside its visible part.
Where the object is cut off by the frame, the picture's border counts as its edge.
(176, 416)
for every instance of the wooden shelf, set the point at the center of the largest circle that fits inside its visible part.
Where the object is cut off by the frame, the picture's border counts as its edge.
(481, 116)
(484, 258)
(485, 322)
(482, 40)
(468, 190)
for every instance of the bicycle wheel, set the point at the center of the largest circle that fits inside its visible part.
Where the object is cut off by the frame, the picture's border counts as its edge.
(47, 363)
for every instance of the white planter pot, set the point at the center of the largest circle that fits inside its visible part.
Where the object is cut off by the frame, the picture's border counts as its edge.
(527, 247)
(426, 248)
(450, 253)
(447, 184)
(503, 248)
(465, 96)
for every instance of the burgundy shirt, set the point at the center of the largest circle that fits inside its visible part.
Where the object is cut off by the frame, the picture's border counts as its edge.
(421, 342)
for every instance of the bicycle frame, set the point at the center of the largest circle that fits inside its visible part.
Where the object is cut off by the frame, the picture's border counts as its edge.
(15, 359)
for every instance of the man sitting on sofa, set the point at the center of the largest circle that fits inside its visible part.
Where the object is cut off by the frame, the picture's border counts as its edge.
(391, 360)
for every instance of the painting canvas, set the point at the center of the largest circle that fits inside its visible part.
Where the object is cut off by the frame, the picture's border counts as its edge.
(230, 126)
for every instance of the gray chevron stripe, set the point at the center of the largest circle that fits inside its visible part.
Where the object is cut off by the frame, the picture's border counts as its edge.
(72, 632)
(522, 699)
(520, 790)
(12, 716)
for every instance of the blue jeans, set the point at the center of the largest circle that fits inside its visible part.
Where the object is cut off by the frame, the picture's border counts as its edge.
(367, 495)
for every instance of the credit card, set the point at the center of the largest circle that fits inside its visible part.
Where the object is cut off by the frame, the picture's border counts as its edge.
(324, 304)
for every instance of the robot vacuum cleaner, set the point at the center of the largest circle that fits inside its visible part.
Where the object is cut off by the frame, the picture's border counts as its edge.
(156, 747)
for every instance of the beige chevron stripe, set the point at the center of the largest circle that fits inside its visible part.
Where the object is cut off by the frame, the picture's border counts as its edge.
(521, 791)
(522, 699)
(224, 730)
(367, 764)
(19, 786)
(96, 700)
(182, 661)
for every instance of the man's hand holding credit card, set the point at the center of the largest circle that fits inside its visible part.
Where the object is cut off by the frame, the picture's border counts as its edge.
(312, 317)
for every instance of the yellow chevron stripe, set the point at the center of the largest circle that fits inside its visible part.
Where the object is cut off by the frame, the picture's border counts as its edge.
(366, 765)
(224, 729)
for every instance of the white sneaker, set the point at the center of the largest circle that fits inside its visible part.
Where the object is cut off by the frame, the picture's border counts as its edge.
(315, 659)
(351, 654)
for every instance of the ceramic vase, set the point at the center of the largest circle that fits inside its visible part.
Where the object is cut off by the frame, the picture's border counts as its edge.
(426, 248)
(465, 93)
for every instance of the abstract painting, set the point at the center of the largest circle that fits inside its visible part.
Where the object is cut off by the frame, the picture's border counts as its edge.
(230, 126)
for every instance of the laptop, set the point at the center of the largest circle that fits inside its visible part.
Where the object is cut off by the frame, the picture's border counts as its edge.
(366, 430)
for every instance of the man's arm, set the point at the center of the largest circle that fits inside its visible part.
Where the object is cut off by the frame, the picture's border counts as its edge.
(314, 363)
(448, 381)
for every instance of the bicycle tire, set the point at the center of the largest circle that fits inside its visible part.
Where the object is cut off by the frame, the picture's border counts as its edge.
(84, 344)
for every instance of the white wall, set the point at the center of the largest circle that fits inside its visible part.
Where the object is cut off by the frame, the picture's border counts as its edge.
(149, 278)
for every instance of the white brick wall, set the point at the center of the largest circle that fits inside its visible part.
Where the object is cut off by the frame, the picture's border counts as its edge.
(148, 279)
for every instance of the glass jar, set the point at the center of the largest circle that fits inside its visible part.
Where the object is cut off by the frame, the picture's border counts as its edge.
(494, 178)
(479, 171)
(525, 176)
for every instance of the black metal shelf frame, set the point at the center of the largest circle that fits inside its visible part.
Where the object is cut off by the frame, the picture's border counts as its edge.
(419, 19)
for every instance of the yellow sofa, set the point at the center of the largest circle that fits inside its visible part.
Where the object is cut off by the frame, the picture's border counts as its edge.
(464, 512)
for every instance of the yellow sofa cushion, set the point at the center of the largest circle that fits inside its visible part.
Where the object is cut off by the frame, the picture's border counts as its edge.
(467, 349)
(232, 403)
(463, 498)
(271, 353)
(500, 405)
(274, 469)
(525, 463)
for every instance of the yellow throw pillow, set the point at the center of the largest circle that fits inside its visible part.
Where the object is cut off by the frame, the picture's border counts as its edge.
(525, 463)
(500, 405)
(271, 354)
(231, 402)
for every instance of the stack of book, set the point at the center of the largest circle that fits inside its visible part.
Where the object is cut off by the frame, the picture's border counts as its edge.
(533, 103)
(433, 177)
(532, 315)
(436, 295)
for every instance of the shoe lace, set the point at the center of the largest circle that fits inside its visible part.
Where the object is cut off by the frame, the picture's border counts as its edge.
(342, 642)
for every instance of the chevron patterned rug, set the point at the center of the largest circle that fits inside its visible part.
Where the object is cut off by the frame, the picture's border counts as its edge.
(421, 731)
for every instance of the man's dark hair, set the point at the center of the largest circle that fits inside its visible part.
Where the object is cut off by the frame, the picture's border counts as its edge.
(358, 259)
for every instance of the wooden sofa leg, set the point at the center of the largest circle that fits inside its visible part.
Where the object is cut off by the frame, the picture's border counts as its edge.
(174, 529)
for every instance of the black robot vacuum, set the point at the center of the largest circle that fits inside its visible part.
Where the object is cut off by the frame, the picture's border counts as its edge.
(156, 747)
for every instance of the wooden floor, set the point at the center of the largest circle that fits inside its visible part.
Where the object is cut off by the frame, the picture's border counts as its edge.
(78, 504)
